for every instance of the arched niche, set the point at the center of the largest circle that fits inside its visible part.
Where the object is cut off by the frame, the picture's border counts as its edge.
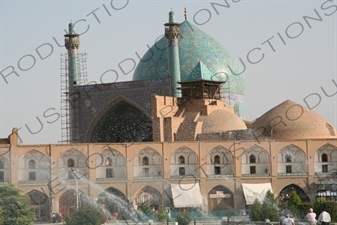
(72, 165)
(150, 196)
(114, 201)
(220, 198)
(34, 167)
(184, 161)
(121, 121)
(40, 203)
(147, 163)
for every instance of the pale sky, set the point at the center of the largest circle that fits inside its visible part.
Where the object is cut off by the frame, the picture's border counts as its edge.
(299, 58)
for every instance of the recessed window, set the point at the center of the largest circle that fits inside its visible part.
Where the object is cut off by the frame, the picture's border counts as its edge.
(108, 161)
(288, 158)
(325, 169)
(181, 171)
(145, 161)
(216, 159)
(181, 159)
(217, 170)
(32, 164)
(32, 176)
(252, 159)
(109, 173)
(289, 169)
(71, 163)
(253, 170)
(324, 157)
(2, 164)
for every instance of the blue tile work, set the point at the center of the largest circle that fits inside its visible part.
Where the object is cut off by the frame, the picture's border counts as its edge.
(94, 100)
(194, 46)
(200, 72)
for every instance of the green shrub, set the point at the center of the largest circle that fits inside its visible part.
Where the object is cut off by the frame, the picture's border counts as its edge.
(86, 215)
(319, 205)
(293, 202)
(162, 214)
(269, 209)
(145, 208)
(255, 212)
(14, 207)
(183, 218)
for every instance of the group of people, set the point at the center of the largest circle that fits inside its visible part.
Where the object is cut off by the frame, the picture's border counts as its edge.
(324, 218)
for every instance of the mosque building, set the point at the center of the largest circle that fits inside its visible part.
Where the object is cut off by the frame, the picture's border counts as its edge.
(174, 136)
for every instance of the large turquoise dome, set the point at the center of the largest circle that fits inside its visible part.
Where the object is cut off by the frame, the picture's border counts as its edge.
(194, 46)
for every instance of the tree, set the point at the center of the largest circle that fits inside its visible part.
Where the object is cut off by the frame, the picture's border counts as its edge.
(162, 214)
(329, 206)
(15, 208)
(255, 212)
(86, 215)
(269, 208)
(293, 203)
(1, 217)
(319, 205)
(302, 210)
(183, 218)
(146, 209)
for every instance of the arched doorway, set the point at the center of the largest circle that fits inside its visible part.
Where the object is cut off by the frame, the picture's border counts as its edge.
(123, 122)
(114, 201)
(286, 192)
(149, 195)
(69, 201)
(220, 198)
(40, 204)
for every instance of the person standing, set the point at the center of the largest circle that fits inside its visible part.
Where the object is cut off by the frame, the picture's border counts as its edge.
(311, 217)
(288, 220)
(282, 217)
(324, 218)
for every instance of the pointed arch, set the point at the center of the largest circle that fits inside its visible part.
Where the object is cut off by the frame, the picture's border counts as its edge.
(220, 198)
(147, 164)
(329, 150)
(260, 154)
(149, 195)
(70, 200)
(223, 167)
(34, 167)
(286, 192)
(325, 159)
(121, 120)
(184, 161)
(293, 153)
(40, 203)
(114, 201)
(110, 165)
(72, 164)
(225, 155)
(292, 160)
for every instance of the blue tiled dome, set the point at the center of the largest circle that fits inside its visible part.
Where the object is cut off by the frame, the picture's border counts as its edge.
(195, 46)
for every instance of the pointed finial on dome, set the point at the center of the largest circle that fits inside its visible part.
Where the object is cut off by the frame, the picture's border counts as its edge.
(185, 13)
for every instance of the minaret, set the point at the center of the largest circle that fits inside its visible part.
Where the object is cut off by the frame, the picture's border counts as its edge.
(72, 43)
(172, 33)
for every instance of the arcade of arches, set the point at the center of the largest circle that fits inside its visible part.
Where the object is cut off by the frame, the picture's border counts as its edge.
(143, 172)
